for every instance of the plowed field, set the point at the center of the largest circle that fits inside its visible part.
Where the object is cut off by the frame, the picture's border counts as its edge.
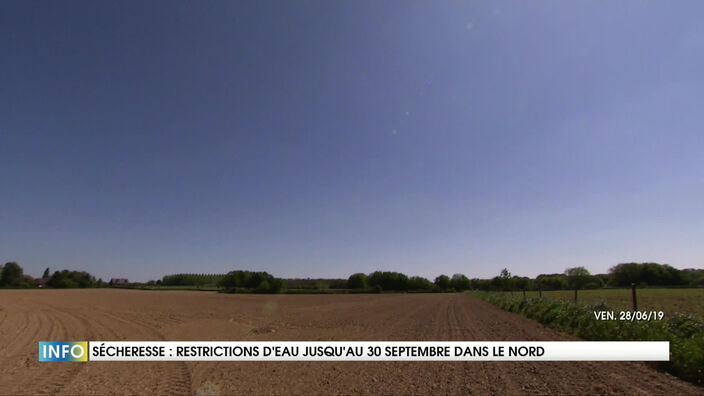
(27, 317)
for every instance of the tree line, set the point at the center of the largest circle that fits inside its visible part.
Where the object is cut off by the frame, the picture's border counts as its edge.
(576, 278)
(191, 280)
(378, 281)
(621, 275)
(249, 281)
(12, 276)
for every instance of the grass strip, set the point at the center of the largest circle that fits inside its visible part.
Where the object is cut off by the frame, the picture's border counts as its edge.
(684, 331)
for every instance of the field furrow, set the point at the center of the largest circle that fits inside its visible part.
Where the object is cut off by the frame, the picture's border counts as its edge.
(87, 315)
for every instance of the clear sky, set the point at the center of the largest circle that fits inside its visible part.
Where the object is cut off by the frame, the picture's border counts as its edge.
(318, 139)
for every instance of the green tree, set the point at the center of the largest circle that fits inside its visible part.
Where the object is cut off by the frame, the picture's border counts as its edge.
(506, 280)
(460, 282)
(552, 281)
(46, 273)
(577, 277)
(594, 282)
(27, 281)
(192, 279)
(358, 281)
(338, 284)
(389, 280)
(263, 287)
(521, 282)
(71, 279)
(12, 275)
(443, 282)
(257, 281)
(650, 274)
(419, 283)
(482, 284)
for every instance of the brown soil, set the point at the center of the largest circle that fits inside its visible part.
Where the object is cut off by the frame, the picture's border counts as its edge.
(27, 317)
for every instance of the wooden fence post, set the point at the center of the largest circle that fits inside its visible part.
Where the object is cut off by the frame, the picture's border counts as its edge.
(633, 296)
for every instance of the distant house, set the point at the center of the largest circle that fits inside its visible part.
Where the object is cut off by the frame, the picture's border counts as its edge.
(119, 281)
(41, 282)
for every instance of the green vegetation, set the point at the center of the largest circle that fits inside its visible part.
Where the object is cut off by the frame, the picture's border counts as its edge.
(241, 278)
(262, 282)
(579, 278)
(685, 332)
(375, 282)
(576, 279)
(418, 283)
(314, 284)
(670, 300)
(388, 280)
(71, 280)
(248, 281)
(192, 279)
(459, 282)
(12, 275)
(443, 282)
(152, 285)
(652, 274)
(358, 281)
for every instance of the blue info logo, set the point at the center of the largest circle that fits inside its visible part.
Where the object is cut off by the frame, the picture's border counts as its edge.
(75, 351)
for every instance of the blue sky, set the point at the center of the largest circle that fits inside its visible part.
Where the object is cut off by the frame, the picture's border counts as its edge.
(318, 139)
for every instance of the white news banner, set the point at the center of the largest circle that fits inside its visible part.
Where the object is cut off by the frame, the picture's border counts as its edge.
(379, 351)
